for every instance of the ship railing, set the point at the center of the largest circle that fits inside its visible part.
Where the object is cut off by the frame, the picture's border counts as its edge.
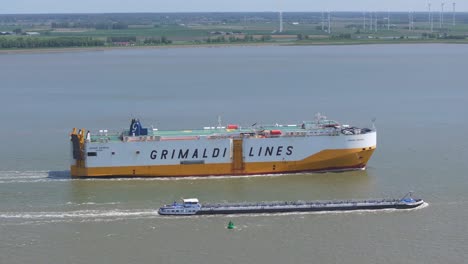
(237, 136)
(123, 136)
(140, 138)
(312, 133)
(356, 131)
(102, 137)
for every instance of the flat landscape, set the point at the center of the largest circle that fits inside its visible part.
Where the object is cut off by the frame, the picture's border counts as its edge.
(39, 31)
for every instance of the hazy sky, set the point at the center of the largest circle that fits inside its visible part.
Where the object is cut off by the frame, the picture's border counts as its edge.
(103, 6)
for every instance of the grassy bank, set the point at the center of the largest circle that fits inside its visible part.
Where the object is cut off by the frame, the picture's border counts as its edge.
(189, 45)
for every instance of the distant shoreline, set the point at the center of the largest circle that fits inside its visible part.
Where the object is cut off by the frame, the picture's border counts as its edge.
(86, 49)
(224, 45)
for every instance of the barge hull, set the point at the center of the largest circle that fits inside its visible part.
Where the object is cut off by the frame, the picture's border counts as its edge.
(292, 210)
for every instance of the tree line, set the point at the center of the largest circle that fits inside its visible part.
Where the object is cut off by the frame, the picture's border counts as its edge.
(29, 42)
(157, 41)
(57, 42)
(233, 39)
(121, 39)
(98, 25)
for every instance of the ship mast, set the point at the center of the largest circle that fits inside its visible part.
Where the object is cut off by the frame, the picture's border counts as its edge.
(219, 122)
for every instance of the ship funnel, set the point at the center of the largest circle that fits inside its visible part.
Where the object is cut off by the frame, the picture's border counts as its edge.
(136, 129)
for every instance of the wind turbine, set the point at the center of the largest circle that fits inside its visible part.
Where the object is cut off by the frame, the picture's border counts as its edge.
(376, 20)
(388, 20)
(280, 21)
(323, 21)
(280, 17)
(364, 25)
(410, 23)
(453, 15)
(441, 20)
(431, 24)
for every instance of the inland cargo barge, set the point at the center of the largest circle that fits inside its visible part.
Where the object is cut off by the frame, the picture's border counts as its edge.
(194, 207)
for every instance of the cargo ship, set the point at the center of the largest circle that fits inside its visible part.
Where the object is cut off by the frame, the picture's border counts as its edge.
(310, 146)
(193, 207)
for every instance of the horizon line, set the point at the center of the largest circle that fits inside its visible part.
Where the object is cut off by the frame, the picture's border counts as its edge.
(266, 11)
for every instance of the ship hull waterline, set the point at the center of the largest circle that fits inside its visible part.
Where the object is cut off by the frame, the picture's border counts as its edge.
(399, 206)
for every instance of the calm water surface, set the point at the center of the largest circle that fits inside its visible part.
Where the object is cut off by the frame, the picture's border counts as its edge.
(417, 93)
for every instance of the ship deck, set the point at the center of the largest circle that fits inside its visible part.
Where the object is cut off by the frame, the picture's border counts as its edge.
(321, 127)
(193, 133)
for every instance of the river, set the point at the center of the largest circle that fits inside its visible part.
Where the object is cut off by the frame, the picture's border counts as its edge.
(417, 93)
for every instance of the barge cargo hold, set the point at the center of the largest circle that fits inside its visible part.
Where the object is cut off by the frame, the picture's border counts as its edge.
(320, 145)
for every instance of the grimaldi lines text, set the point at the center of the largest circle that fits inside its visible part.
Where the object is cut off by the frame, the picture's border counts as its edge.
(319, 145)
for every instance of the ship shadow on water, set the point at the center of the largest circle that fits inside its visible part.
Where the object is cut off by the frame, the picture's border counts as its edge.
(360, 175)
(59, 175)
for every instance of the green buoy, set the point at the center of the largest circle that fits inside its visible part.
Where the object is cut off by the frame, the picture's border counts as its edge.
(230, 225)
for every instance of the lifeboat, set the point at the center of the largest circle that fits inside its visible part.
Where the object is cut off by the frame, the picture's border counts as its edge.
(275, 132)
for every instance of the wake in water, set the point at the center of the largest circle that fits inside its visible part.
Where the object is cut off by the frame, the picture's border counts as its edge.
(12, 175)
(91, 203)
(116, 215)
(33, 176)
(77, 215)
(57, 176)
